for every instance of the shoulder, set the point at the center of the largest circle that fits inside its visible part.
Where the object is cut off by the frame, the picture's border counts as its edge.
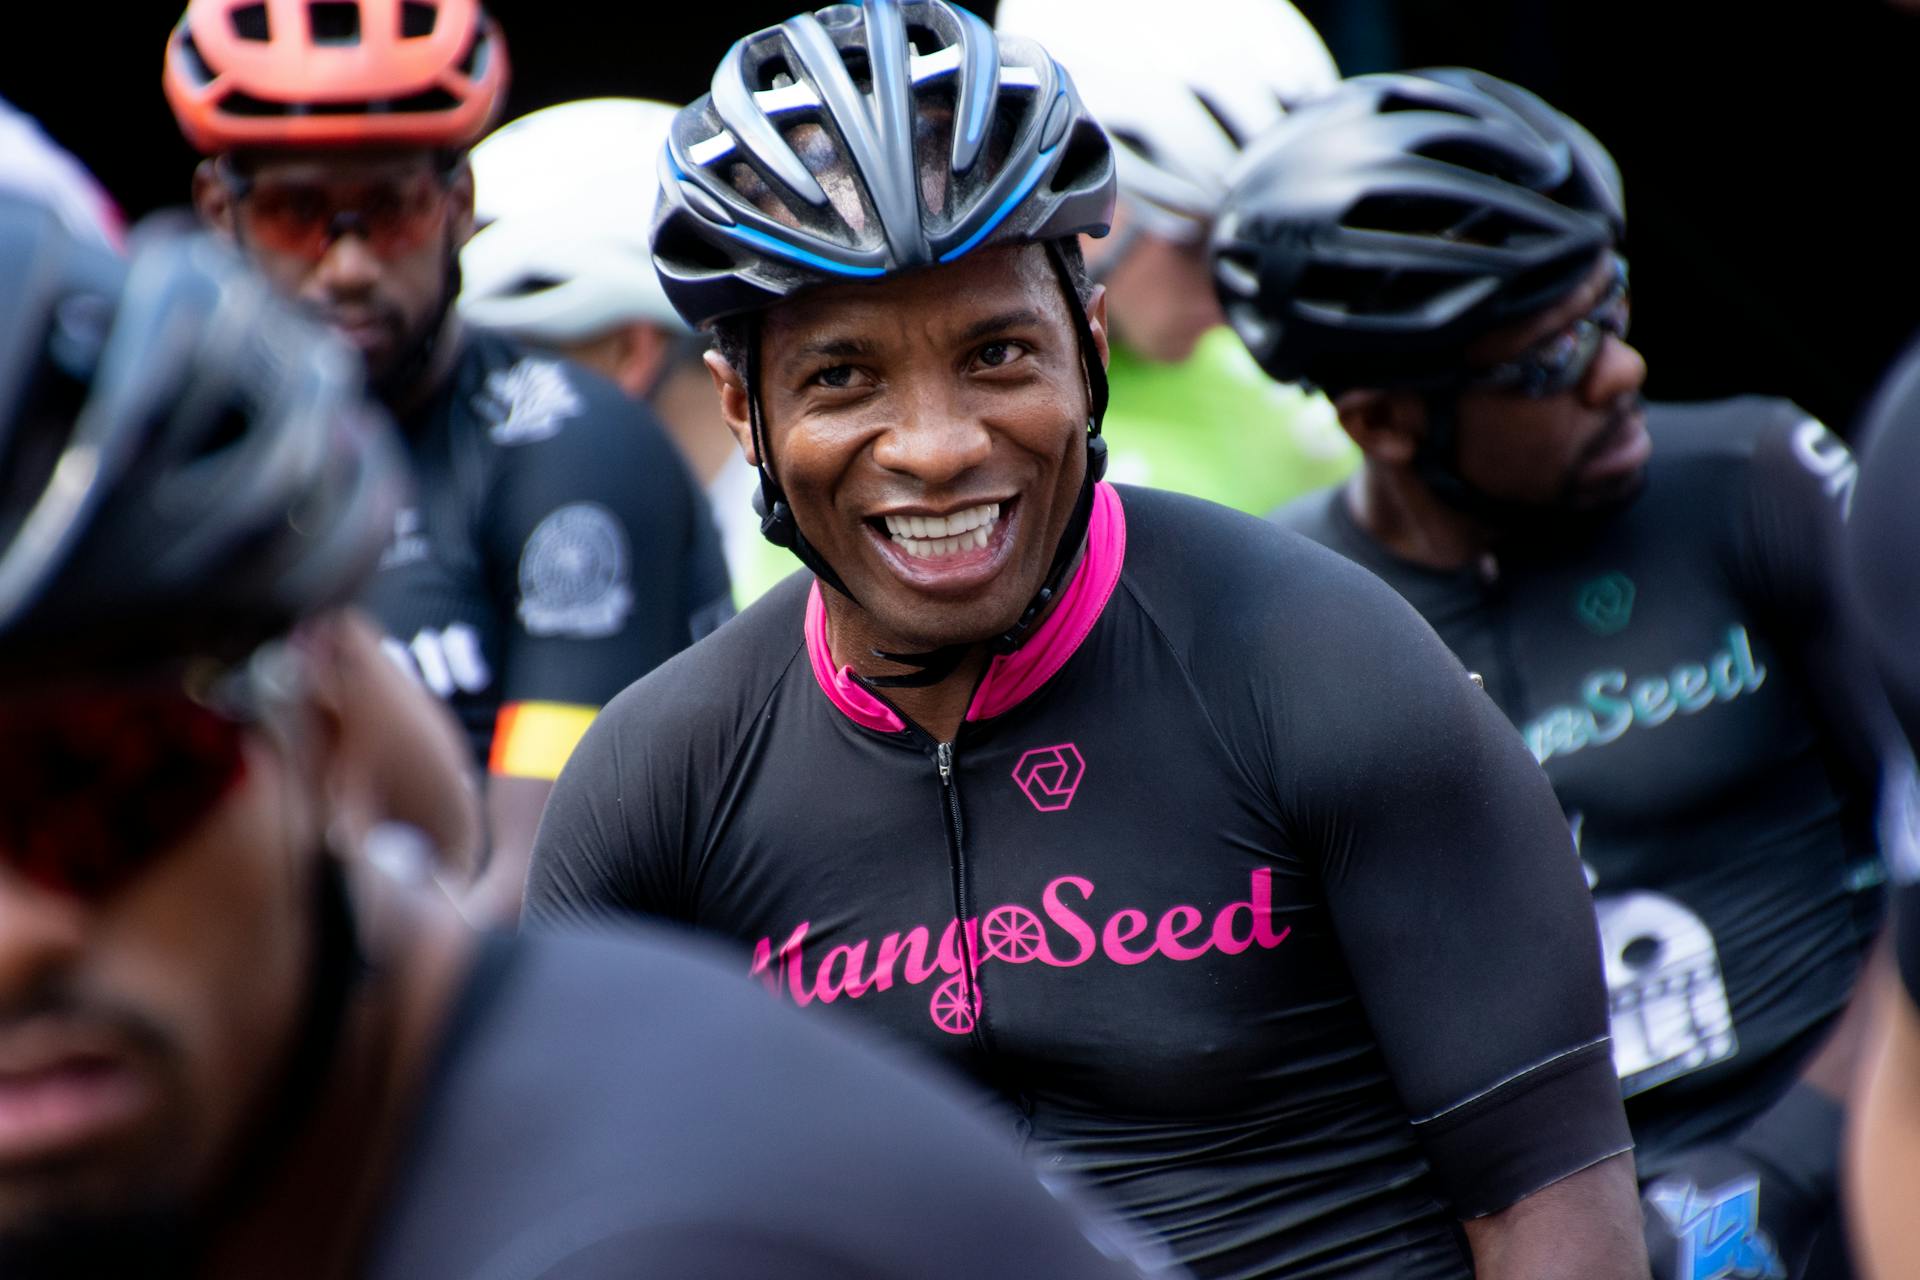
(711, 692)
(1731, 432)
(1230, 578)
(542, 407)
(1274, 631)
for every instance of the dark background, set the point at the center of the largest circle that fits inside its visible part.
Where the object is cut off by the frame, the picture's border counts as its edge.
(1766, 147)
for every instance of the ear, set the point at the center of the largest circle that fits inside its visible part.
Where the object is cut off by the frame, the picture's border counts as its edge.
(460, 195)
(212, 198)
(733, 403)
(1387, 425)
(1097, 321)
(641, 358)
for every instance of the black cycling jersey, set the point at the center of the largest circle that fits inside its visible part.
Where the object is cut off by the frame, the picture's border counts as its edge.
(1272, 930)
(558, 550)
(1678, 669)
(688, 1129)
(1883, 545)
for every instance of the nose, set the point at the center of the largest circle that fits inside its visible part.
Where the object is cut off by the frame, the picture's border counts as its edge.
(1617, 372)
(349, 267)
(933, 441)
(41, 932)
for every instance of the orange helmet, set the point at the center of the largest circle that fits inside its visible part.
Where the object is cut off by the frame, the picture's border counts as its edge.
(334, 73)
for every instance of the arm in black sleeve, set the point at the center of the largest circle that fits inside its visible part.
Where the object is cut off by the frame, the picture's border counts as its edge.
(630, 814)
(602, 553)
(1457, 898)
(1800, 491)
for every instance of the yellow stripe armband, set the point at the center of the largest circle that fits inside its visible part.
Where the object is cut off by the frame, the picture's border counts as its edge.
(534, 739)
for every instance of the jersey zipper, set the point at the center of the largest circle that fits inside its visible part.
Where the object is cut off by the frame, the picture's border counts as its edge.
(962, 899)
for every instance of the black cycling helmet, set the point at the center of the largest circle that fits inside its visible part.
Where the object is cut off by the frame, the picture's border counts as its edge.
(861, 141)
(187, 466)
(861, 90)
(1380, 229)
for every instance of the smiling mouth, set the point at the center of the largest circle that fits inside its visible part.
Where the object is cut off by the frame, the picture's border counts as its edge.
(936, 537)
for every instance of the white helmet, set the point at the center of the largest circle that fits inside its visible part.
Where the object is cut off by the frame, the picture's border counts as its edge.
(1180, 90)
(564, 201)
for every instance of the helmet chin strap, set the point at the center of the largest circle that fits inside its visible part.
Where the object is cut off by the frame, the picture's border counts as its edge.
(778, 526)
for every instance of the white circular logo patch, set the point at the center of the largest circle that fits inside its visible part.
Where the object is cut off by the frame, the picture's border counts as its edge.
(573, 574)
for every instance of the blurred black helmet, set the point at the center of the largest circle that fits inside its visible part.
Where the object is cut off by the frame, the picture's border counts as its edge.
(187, 466)
(1380, 229)
(936, 137)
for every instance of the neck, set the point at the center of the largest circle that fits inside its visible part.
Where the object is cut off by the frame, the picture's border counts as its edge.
(938, 709)
(1396, 510)
(309, 1221)
(434, 374)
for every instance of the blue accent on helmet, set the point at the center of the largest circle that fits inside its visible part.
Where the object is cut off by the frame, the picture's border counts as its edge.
(780, 248)
(1007, 206)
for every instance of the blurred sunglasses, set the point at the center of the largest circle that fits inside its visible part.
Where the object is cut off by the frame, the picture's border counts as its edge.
(303, 219)
(98, 781)
(1560, 361)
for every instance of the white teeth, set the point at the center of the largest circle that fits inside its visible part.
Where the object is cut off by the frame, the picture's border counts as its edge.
(931, 537)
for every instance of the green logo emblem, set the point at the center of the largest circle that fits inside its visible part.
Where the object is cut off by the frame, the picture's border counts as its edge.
(1605, 605)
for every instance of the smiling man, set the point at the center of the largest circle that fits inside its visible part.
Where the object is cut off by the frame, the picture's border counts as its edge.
(1180, 836)
(1647, 591)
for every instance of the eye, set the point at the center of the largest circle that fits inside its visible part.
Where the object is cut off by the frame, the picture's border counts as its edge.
(998, 355)
(837, 377)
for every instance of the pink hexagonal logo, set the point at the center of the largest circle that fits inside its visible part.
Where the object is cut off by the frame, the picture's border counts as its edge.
(1050, 775)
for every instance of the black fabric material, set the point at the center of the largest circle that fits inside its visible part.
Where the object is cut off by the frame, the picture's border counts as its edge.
(500, 584)
(1272, 924)
(1514, 1136)
(1726, 816)
(621, 1105)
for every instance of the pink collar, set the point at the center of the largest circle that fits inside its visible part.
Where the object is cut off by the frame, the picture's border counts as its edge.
(1011, 678)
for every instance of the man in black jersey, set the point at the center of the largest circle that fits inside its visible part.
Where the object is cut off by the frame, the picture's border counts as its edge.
(230, 1047)
(1882, 542)
(1646, 592)
(558, 547)
(1183, 838)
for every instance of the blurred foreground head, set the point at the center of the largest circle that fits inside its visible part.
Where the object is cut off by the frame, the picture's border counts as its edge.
(1181, 91)
(1883, 539)
(337, 137)
(191, 484)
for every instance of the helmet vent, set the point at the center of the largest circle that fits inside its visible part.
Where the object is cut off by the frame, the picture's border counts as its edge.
(474, 65)
(1220, 118)
(859, 69)
(250, 23)
(1133, 142)
(1477, 158)
(1086, 151)
(202, 73)
(528, 285)
(1391, 103)
(245, 104)
(774, 73)
(417, 19)
(925, 40)
(334, 21)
